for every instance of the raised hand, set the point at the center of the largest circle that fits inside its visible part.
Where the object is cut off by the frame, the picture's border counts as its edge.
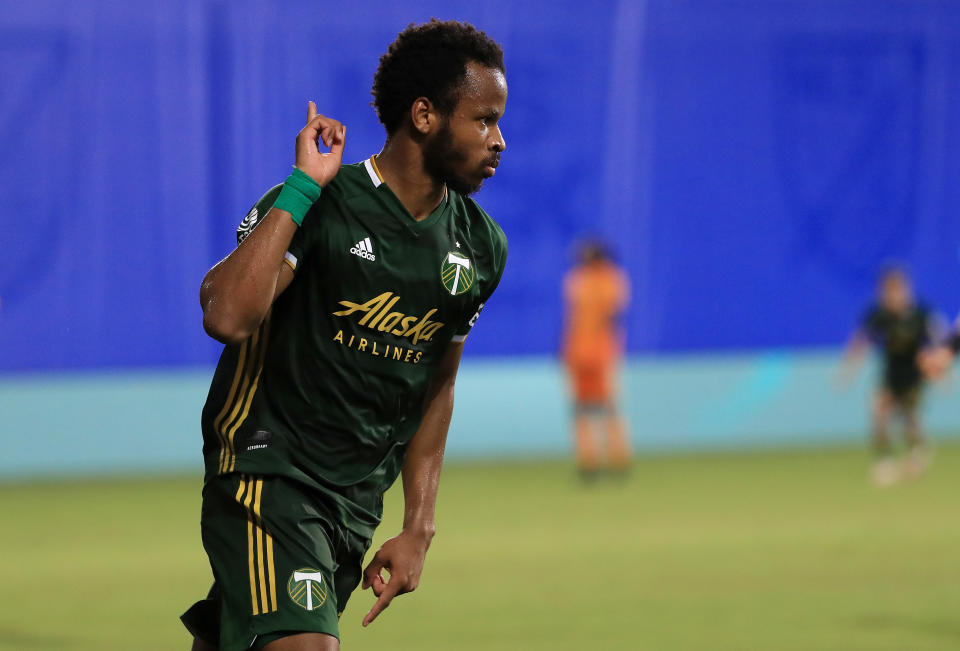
(320, 166)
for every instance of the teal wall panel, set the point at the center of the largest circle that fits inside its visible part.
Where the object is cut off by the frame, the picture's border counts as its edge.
(149, 421)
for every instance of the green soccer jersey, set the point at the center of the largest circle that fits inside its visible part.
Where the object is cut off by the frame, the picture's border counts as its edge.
(331, 387)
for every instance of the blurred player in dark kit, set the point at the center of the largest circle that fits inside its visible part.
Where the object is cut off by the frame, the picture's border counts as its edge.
(596, 294)
(900, 328)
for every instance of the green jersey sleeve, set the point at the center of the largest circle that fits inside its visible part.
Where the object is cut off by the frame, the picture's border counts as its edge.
(298, 245)
(498, 243)
(257, 213)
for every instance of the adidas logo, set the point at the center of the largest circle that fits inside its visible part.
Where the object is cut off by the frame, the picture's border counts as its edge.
(364, 249)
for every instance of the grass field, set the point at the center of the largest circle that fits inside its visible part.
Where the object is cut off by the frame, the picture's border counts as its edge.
(736, 551)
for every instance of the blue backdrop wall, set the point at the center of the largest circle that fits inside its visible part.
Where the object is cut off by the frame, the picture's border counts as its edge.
(752, 162)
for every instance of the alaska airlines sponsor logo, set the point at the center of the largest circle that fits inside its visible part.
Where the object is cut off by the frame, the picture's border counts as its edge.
(378, 348)
(378, 315)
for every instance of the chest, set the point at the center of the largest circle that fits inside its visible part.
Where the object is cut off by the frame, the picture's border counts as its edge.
(902, 331)
(378, 274)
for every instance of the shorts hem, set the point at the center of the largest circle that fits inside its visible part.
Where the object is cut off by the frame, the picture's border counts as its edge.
(264, 639)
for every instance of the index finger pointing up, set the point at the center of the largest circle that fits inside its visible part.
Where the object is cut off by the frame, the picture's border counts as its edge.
(311, 111)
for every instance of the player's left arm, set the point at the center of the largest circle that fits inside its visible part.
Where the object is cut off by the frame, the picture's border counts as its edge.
(935, 361)
(403, 555)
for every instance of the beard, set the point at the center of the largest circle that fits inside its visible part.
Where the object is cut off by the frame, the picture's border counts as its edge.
(442, 158)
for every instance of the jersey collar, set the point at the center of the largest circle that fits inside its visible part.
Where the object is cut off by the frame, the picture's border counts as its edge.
(379, 184)
(377, 178)
(373, 171)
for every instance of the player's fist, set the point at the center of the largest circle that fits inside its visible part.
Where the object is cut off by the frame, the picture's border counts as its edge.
(318, 165)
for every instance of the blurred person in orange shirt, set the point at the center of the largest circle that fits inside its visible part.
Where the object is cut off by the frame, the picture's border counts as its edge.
(596, 293)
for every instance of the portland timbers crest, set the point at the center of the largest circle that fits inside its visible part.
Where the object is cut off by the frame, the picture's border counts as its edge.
(307, 589)
(457, 273)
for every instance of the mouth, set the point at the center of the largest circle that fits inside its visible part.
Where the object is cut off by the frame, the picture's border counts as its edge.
(490, 166)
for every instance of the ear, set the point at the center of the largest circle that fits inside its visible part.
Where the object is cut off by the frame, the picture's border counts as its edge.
(424, 115)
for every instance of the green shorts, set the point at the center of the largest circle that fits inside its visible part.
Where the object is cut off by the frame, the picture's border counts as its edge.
(281, 563)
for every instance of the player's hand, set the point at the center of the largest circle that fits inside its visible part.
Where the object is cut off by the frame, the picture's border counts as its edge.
(935, 362)
(320, 166)
(403, 558)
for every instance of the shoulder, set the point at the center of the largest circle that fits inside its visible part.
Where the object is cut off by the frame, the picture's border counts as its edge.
(351, 178)
(925, 313)
(872, 314)
(615, 271)
(619, 278)
(483, 228)
(349, 185)
(263, 204)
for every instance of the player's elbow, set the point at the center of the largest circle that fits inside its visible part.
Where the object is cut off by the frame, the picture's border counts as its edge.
(224, 318)
(224, 329)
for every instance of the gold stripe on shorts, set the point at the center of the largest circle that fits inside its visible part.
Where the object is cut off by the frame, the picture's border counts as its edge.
(264, 605)
(272, 575)
(263, 590)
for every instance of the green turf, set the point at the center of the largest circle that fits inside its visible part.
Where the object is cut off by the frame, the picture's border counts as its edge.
(738, 551)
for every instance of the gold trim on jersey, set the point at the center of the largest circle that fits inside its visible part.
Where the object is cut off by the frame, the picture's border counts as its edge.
(373, 163)
(237, 406)
(263, 586)
(218, 421)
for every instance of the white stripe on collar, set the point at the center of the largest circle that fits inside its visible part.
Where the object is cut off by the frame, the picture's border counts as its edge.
(374, 177)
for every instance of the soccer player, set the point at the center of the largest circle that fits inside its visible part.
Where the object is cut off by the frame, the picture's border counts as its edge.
(596, 293)
(344, 311)
(901, 328)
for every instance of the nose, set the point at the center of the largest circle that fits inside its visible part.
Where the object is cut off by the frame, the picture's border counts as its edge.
(499, 144)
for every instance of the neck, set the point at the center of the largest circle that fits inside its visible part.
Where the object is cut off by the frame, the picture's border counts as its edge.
(402, 166)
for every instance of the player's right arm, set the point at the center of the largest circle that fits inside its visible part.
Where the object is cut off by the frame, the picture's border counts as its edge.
(858, 346)
(237, 292)
(854, 357)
